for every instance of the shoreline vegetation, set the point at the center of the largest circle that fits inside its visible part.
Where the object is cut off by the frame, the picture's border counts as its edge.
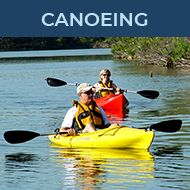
(170, 52)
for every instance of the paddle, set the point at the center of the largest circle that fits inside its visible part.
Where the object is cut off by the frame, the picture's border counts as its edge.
(168, 126)
(20, 136)
(57, 82)
(151, 94)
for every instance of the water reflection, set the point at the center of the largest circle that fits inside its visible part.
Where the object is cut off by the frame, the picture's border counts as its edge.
(20, 157)
(118, 117)
(169, 151)
(149, 113)
(171, 167)
(91, 168)
(20, 162)
(179, 103)
(19, 166)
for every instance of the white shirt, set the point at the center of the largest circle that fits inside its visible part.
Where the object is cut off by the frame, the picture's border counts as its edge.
(68, 120)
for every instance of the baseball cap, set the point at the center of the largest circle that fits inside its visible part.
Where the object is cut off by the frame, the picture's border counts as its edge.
(83, 87)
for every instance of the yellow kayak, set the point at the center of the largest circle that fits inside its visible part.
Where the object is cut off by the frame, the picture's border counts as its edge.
(114, 137)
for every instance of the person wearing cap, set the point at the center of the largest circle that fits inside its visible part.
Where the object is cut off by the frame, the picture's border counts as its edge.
(105, 86)
(85, 115)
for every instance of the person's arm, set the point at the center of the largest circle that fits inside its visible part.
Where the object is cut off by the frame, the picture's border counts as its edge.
(96, 88)
(117, 90)
(68, 121)
(106, 121)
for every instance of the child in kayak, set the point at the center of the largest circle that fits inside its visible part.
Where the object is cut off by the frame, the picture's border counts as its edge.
(105, 86)
(84, 116)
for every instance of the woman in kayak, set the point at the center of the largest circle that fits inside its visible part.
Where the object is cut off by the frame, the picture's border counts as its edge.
(105, 86)
(84, 116)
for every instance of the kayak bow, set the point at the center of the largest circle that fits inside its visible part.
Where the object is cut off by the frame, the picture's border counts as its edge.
(113, 104)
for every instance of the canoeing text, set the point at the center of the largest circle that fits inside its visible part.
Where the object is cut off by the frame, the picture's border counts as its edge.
(94, 19)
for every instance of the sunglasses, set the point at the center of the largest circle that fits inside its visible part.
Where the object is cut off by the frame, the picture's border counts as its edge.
(106, 75)
(88, 92)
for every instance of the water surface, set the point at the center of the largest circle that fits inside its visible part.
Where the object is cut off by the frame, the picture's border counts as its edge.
(28, 103)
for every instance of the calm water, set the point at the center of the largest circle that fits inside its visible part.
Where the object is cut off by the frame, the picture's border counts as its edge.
(27, 102)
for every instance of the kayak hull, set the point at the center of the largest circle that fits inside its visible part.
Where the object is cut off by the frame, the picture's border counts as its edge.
(120, 137)
(114, 104)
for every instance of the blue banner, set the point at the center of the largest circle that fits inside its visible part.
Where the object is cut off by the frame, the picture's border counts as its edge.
(94, 18)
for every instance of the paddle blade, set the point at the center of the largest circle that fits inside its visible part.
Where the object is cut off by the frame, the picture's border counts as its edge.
(19, 136)
(167, 126)
(55, 82)
(151, 94)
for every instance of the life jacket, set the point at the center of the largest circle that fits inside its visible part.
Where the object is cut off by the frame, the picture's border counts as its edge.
(103, 93)
(87, 114)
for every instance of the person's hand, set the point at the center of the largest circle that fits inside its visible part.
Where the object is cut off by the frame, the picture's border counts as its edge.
(71, 132)
(99, 89)
(118, 91)
(114, 125)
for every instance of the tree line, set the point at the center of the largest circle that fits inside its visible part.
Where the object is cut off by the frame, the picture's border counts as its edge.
(149, 50)
(45, 43)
